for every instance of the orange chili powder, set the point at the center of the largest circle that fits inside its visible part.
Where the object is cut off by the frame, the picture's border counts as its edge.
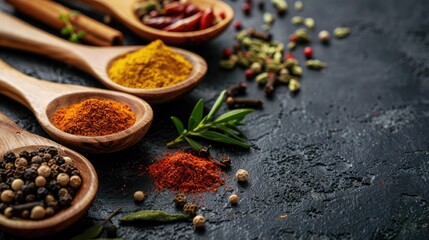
(185, 172)
(94, 117)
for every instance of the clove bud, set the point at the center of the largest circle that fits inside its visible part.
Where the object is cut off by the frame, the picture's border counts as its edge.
(243, 102)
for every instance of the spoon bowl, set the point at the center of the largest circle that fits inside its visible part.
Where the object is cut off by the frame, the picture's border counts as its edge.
(124, 12)
(44, 98)
(94, 60)
(16, 139)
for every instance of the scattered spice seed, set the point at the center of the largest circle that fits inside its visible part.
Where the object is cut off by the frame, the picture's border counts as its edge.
(309, 23)
(242, 175)
(226, 161)
(294, 85)
(199, 221)
(180, 200)
(299, 6)
(139, 196)
(297, 20)
(342, 32)
(190, 209)
(324, 36)
(233, 199)
(238, 25)
(308, 52)
(315, 64)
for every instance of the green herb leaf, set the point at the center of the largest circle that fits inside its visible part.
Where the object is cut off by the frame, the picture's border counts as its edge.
(215, 136)
(63, 17)
(224, 129)
(196, 115)
(153, 216)
(66, 31)
(217, 105)
(179, 125)
(74, 38)
(236, 114)
(194, 144)
(81, 34)
(90, 233)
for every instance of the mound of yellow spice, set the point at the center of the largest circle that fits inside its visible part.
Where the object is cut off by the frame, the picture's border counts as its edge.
(94, 117)
(153, 66)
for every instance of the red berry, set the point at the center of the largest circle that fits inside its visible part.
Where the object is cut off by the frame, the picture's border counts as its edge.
(271, 74)
(222, 15)
(293, 38)
(246, 8)
(249, 1)
(238, 25)
(249, 73)
(289, 56)
(227, 52)
(308, 52)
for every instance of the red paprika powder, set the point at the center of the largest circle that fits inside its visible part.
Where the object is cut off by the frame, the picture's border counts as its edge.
(185, 172)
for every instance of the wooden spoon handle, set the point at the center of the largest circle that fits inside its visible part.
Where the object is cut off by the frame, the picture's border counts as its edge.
(12, 136)
(31, 92)
(17, 34)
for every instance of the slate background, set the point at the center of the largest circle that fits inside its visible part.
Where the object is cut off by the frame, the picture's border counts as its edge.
(346, 158)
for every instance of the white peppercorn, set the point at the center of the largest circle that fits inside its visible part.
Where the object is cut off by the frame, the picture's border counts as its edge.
(138, 196)
(234, 199)
(242, 175)
(68, 160)
(7, 196)
(40, 181)
(38, 212)
(199, 221)
(63, 179)
(8, 212)
(17, 184)
(44, 171)
(75, 181)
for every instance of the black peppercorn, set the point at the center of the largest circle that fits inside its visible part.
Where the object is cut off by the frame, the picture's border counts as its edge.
(30, 174)
(36, 159)
(71, 190)
(52, 162)
(53, 151)
(19, 172)
(60, 160)
(3, 206)
(9, 157)
(41, 193)
(204, 151)
(65, 200)
(180, 200)
(46, 157)
(29, 188)
(30, 198)
(75, 172)
(25, 154)
(190, 209)
(53, 186)
(41, 150)
(64, 168)
(19, 196)
(53, 204)
(4, 186)
(33, 153)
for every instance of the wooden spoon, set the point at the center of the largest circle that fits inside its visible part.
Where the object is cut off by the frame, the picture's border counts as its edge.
(44, 98)
(95, 60)
(15, 139)
(124, 11)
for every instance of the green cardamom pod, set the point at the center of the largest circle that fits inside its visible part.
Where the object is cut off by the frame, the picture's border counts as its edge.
(227, 64)
(293, 85)
(302, 35)
(296, 70)
(299, 6)
(342, 32)
(315, 64)
(262, 78)
(154, 216)
(268, 18)
(309, 23)
(281, 5)
(297, 20)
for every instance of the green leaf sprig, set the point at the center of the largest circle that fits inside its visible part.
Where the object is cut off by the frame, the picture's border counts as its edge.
(223, 129)
(69, 29)
(95, 230)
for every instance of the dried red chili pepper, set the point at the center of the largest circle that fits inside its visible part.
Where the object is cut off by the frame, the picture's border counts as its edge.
(158, 22)
(191, 10)
(185, 24)
(207, 19)
(173, 8)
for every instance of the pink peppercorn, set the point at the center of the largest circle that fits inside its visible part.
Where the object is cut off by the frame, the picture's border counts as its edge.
(246, 8)
(249, 73)
(289, 56)
(293, 38)
(227, 53)
(238, 25)
(308, 52)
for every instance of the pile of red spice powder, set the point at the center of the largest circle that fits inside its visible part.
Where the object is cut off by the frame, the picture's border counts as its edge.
(185, 172)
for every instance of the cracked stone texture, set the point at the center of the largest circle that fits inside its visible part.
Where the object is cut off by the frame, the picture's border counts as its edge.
(346, 158)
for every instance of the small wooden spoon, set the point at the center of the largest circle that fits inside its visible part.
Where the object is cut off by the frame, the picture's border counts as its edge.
(95, 60)
(124, 11)
(15, 139)
(44, 98)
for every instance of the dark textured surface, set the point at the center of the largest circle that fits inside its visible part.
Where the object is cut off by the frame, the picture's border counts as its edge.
(346, 158)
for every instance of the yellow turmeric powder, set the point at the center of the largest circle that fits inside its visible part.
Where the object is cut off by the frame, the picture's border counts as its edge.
(153, 66)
